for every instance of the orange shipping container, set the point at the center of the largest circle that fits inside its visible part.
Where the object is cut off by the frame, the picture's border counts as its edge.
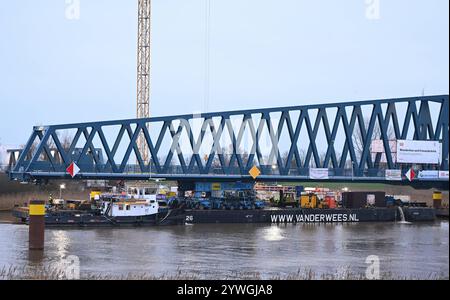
(331, 201)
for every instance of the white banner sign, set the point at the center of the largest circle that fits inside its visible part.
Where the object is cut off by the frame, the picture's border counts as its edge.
(394, 175)
(443, 174)
(428, 175)
(377, 146)
(418, 152)
(318, 173)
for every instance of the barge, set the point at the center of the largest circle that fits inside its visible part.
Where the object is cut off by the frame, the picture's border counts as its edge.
(182, 216)
(147, 207)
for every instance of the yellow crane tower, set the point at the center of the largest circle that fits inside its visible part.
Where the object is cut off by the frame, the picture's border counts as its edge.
(143, 68)
(143, 71)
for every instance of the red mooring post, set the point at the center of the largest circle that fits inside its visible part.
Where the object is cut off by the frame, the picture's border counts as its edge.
(36, 226)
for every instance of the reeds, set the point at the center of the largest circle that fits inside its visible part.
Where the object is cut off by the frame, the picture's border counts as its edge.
(49, 273)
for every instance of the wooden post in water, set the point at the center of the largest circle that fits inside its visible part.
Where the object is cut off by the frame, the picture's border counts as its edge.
(36, 226)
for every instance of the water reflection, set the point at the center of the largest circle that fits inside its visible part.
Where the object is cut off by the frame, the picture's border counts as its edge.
(35, 257)
(273, 233)
(216, 251)
(62, 242)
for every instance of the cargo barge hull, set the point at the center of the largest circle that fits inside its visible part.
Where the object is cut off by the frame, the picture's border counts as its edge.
(413, 214)
(262, 216)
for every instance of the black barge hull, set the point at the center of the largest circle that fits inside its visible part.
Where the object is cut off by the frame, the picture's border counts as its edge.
(80, 219)
(267, 216)
(413, 214)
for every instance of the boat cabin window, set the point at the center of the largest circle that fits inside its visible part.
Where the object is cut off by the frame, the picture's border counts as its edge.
(162, 203)
(133, 191)
(128, 207)
(149, 191)
(120, 207)
(152, 201)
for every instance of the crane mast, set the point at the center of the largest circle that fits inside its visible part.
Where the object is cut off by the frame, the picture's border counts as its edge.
(143, 71)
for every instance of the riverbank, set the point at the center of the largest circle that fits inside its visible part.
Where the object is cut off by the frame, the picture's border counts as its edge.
(14, 273)
(14, 193)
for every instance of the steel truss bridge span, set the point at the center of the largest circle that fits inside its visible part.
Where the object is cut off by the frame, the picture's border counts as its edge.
(284, 143)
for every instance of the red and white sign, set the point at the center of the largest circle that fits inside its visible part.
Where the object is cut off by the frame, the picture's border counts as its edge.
(393, 175)
(410, 174)
(443, 174)
(73, 169)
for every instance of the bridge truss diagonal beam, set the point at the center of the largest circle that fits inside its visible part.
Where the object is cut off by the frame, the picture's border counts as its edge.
(283, 142)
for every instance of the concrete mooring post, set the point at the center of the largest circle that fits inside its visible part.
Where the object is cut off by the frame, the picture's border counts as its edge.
(36, 226)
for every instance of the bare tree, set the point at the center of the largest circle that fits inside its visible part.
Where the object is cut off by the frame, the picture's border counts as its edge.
(293, 162)
(32, 150)
(65, 139)
(187, 158)
(358, 141)
(227, 152)
(244, 156)
(322, 159)
(302, 156)
(284, 157)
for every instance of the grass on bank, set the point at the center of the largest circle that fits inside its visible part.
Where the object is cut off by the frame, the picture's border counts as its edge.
(48, 273)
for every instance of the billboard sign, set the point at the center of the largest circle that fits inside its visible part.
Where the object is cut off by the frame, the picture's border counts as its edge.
(319, 173)
(418, 152)
(428, 175)
(443, 174)
(393, 175)
(377, 146)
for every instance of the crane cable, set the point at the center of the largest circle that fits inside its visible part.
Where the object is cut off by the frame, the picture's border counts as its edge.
(207, 55)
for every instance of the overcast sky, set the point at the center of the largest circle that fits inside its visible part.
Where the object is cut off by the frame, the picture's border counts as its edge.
(57, 69)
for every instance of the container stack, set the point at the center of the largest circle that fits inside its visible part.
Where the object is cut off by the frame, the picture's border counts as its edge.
(363, 199)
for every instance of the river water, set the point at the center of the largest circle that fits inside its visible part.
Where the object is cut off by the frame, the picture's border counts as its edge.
(418, 250)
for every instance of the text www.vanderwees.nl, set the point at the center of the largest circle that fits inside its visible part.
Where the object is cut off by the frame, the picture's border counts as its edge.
(313, 218)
